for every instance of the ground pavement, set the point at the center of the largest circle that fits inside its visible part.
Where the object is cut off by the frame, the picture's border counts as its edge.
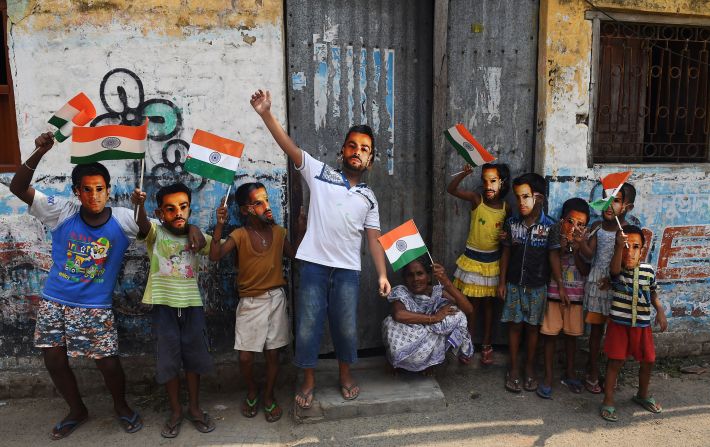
(478, 411)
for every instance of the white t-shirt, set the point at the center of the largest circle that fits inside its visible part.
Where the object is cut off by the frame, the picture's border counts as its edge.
(337, 216)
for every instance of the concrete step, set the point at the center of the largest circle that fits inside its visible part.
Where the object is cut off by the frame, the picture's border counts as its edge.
(380, 393)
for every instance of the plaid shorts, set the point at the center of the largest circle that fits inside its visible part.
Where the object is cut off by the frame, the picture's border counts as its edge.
(84, 331)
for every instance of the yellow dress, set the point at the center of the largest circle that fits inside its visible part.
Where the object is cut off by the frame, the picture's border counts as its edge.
(478, 267)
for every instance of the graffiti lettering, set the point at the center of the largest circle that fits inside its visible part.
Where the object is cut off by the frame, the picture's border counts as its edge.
(684, 253)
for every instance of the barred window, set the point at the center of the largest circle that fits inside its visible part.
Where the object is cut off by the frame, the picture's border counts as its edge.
(652, 94)
(9, 146)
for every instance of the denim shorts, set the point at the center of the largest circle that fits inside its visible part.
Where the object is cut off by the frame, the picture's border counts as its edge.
(332, 292)
(524, 304)
(86, 332)
(182, 341)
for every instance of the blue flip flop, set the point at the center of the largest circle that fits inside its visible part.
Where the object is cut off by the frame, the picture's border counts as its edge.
(544, 391)
(72, 424)
(131, 424)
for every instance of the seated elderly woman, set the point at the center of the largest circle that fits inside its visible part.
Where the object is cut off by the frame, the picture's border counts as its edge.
(426, 319)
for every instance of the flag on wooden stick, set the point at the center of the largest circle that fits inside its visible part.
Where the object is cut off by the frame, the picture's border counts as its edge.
(471, 150)
(213, 157)
(403, 245)
(77, 112)
(112, 142)
(611, 184)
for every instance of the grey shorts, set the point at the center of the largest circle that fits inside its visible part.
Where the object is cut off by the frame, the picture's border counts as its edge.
(182, 342)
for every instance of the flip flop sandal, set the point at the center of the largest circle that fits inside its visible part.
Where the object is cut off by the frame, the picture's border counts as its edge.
(544, 391)
(592, 387)
(608, 413)
(204, 425)
(171, 430)
(530, 384)
(131, 424)
(61, 425)
(273, 412)
(249, 407)
(648, 404)
(464, 360)
(307, 397)
(574, 385)
(349, 390)
(512, 385)
(487, 355)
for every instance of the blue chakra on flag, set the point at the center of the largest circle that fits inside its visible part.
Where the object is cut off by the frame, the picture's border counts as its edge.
(215, 157)
(110, 143)
(468, 146)
(401, 245)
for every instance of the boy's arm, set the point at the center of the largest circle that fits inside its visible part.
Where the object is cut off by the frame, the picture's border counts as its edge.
(261, 102)
(138, 199)
(289, 249)
(615, 264)
(556, 270)
(453, 188)
(219, 249)
(378, 258)
(20, 184)
(504, 259)
(581, 263)
(588, 246)
(661, 320)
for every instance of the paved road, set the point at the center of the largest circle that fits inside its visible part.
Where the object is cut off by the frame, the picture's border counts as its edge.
(479, 412)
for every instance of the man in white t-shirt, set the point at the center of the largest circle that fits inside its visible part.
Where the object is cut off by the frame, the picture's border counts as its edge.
(340, 209)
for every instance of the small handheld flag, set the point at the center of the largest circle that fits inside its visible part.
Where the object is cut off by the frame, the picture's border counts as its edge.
(471, 150)
(611, 184)
(77, 112)
(403, 245)
(213, 157)
(112, 142)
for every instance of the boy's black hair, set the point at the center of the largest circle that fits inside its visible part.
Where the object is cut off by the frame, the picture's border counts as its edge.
(362, 128)
(81, 171)
(535, 181)
(633, 229)
(172, 189)
(628, 193)
(575, 204)
(503, 173)
(242, 194)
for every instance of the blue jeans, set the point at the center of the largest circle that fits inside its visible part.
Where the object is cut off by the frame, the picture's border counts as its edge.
(332, 291)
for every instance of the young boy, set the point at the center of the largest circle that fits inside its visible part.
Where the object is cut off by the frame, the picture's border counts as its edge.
(629, 331)
(597, 291)
(261, 321)
(75, 318)
(565, 292)
(178, 314)
(524, 272)
(341, 208)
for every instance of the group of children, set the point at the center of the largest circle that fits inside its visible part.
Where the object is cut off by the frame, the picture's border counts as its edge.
(556, 276)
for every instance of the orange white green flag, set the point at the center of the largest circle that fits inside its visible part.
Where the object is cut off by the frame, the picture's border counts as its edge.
(611, 184)
(77, 112)
(112, 142)
(403, 245)
(213, 157)
(468, 147)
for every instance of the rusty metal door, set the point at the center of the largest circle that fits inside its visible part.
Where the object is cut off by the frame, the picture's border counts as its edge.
(492, 55)
(365, 62)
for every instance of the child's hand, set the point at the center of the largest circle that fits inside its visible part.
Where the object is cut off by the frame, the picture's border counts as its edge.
(195, 239)
(138, 197)
(467, 169)
(661, 320)
(501, 291)
(45, 141)
(621, 239)
(440, 273)
(564, 297)
(502, 235)
(261, 101)
(222, 215)
(604, 284)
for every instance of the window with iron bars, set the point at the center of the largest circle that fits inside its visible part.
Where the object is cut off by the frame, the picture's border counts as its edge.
(653, 94)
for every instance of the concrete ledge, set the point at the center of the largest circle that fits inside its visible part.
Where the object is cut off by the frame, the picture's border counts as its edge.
(381, 393)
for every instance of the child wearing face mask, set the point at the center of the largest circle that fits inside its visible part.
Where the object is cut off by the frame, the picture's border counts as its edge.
(629, 331)
(524, 272)
(478, 266)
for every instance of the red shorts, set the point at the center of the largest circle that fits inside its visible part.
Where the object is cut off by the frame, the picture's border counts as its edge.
(623, 342)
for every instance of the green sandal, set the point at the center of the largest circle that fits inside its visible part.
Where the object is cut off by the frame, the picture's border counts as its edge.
(273, 412)
(648, 404)
(249, 407)
(608, 413)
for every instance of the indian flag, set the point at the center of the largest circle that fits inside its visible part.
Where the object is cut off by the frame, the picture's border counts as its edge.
(403, 245)
(77, 112)
(113, 142)
(612, 183)
(471, 150)
(213, 157)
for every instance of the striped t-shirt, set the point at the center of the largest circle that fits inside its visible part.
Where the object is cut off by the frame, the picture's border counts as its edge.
(624, 308)
(172, 280)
